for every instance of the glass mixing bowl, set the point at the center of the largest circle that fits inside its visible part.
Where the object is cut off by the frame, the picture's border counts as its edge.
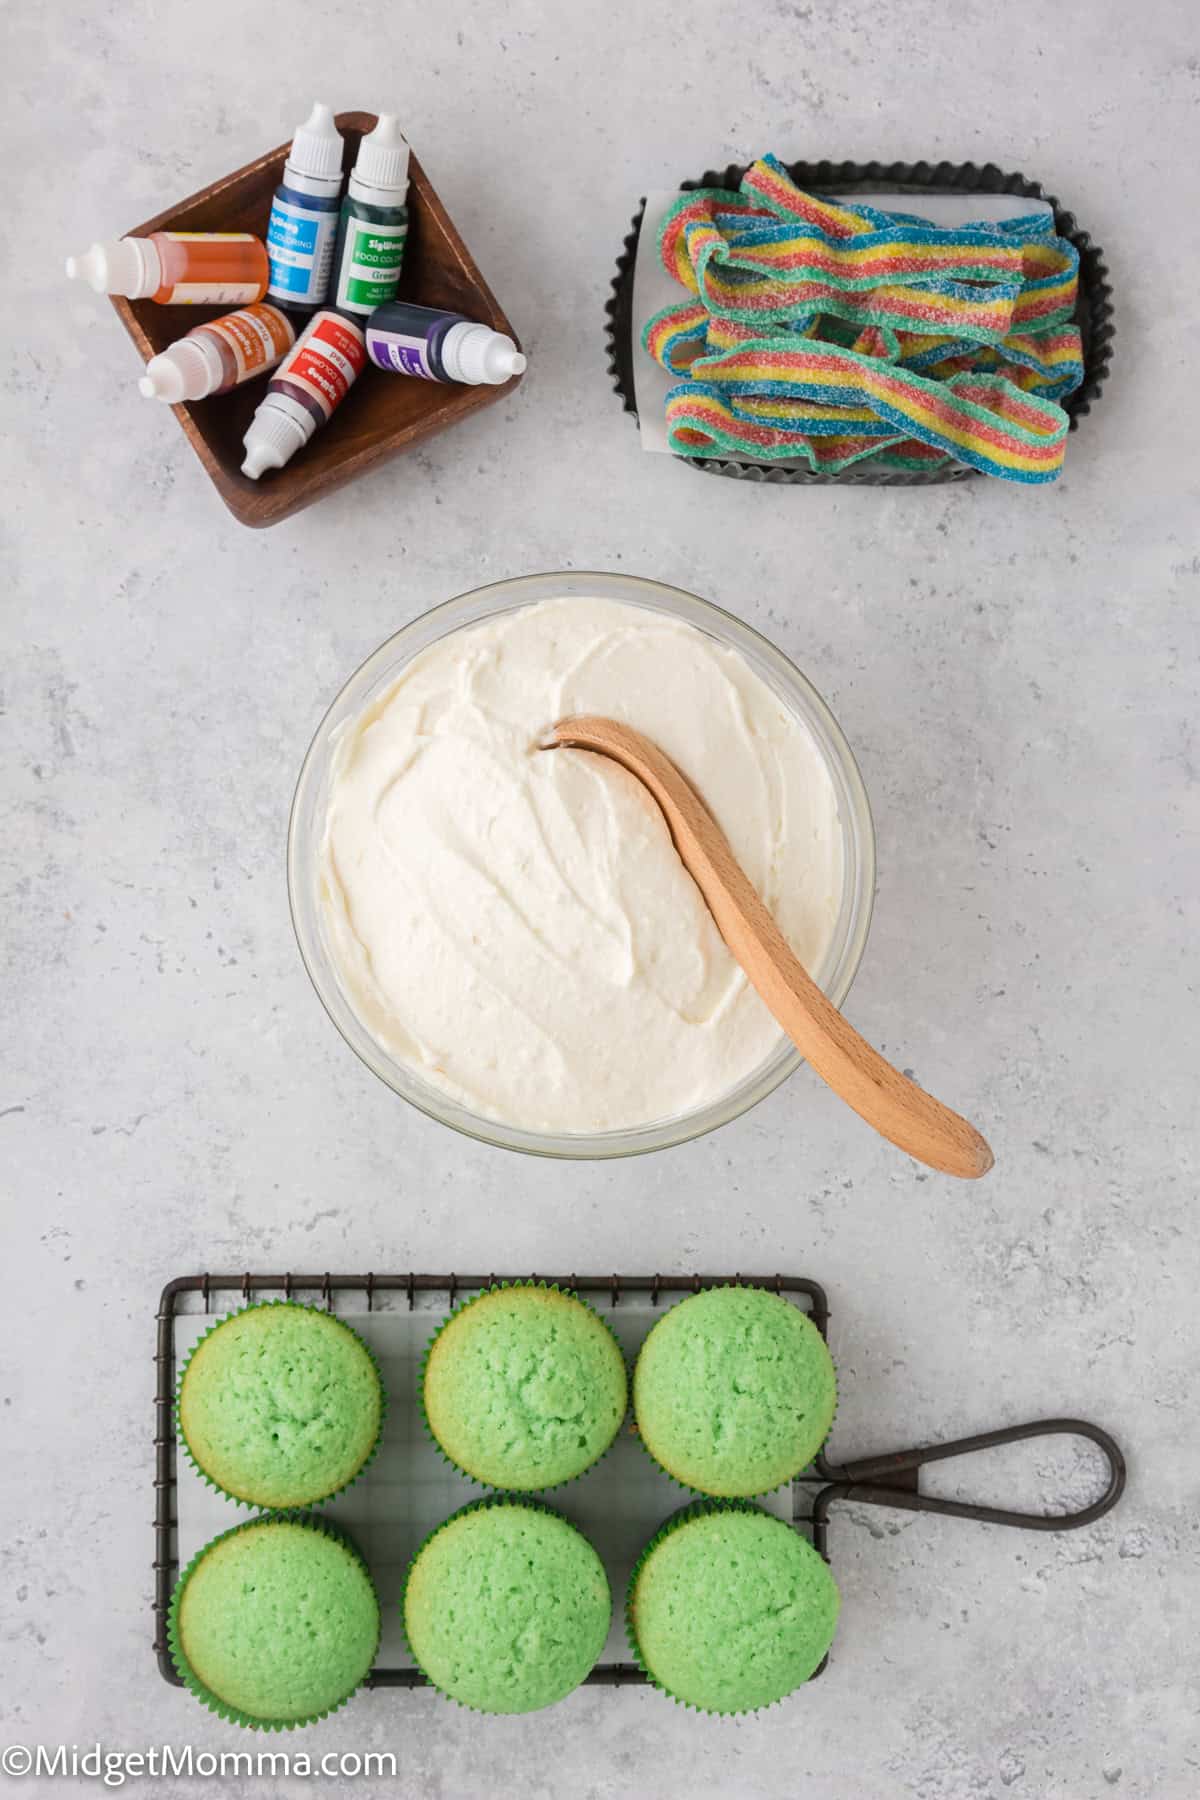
(379, 672)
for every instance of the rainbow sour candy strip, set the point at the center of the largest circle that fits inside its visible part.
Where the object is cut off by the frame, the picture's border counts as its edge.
(901, 246)
(724, 334)
(811, 418)
(966, 283)
(963, 309)
(981, 420)
(1049, 363)
(898, 254)
(767, 180)
(700, 204)
(701, 423)
(675, 336)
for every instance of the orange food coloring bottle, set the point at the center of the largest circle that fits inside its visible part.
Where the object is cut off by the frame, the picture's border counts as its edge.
(178, 268)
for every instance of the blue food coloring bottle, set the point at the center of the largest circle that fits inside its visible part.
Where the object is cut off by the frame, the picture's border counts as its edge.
(406, 339)
(304, 215)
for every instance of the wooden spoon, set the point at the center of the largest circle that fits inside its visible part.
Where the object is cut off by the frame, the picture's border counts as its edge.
(894, 1105)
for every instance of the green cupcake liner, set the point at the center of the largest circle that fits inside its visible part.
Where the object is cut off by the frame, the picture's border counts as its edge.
(686, 1487)
(487, 1502)
(317, 1499)
(496, 1287)
(698, 1509)
(193, 1683)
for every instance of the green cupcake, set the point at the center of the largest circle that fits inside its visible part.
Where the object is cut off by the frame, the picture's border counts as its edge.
(524, 1387)
(280, 1405)
(506, 1607)
(730, 1609)
(734, 1391)
(274, 1623)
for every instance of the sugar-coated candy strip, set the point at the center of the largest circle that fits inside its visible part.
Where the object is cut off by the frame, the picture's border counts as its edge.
(873, 340)
(1046, 304)
(723, 334)
(700, 423)
(970, 284)
(1049, 363)
(769, 182)
(909, 454)
(1053, 356)
(705, 422)
(815, 418)
(962, 308)
(979, 419)
(1030, 240)
(897, 254)
(675, 336)
(923, 352)
(707, 204)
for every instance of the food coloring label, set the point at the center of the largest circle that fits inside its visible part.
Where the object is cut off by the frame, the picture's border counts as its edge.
(402, 352)
(213, 293)
(300, 246)
(326, 360)
(257, 337)
(370, 267)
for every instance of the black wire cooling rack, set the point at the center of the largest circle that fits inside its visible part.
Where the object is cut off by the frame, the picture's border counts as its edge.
(892, 1480)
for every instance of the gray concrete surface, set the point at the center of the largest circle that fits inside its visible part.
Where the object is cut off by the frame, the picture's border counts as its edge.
(1016, 671)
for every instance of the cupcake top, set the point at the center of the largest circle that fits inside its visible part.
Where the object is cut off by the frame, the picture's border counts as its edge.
(275, 1623)
(507, 1607)
(734, 1391)
(730, 1609)
(524, 1387)
(280, 1405)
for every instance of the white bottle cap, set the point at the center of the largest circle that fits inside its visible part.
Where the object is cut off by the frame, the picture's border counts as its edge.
(317, 146)
(382, 162)
(127, 266)
(187, 370)
(273, 438)
(478, 355)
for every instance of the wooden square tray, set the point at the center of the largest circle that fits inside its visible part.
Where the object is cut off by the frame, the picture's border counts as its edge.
(382, 414)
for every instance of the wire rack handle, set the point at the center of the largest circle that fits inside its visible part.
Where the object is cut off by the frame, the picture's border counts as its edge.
(894, 1480)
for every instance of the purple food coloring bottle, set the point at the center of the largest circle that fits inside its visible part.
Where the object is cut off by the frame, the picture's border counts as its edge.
(439, 346)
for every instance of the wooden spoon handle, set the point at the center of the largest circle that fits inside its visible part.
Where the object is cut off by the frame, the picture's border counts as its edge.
(897, 1108)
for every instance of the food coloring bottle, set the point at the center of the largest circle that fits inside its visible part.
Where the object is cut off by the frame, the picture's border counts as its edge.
(304, 214)
(219, 355)
(440, 346)
(374, 222)
(313, 378)
(178, 268)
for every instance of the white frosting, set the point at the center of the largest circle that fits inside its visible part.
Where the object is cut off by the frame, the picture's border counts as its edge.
(515, 925)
